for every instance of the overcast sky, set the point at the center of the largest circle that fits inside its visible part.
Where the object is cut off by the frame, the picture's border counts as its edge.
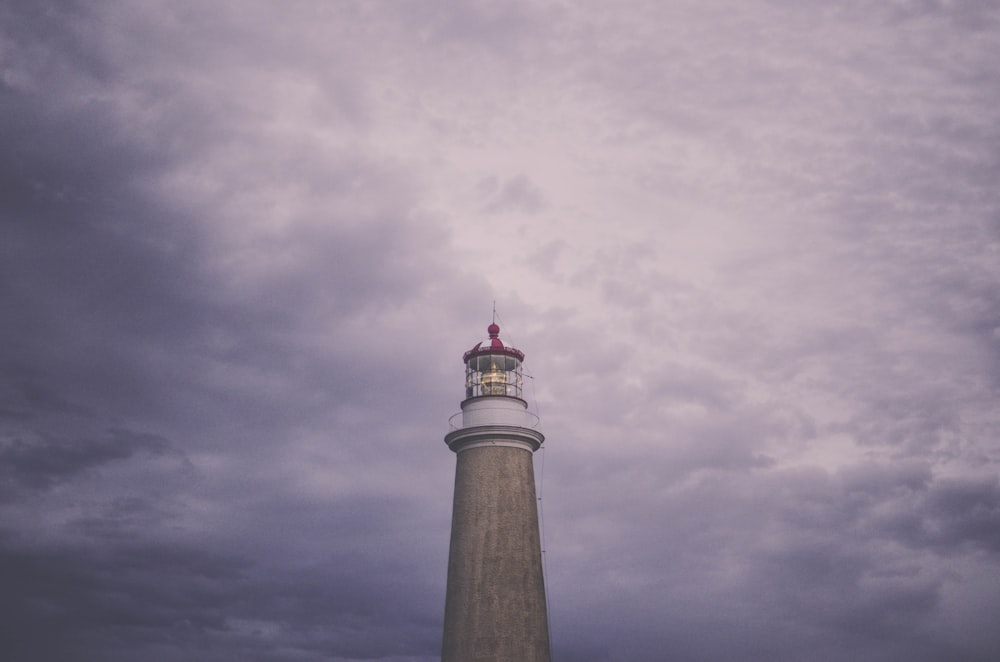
(751, 250)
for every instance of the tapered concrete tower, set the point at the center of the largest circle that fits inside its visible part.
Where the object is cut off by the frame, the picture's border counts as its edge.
(495, 605)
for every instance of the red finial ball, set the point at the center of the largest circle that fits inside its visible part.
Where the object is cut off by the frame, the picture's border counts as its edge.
(493, 330)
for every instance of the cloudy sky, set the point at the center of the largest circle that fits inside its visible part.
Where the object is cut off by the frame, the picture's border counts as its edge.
(751, 250)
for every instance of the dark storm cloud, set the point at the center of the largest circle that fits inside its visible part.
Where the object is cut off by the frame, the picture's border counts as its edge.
(957, 514)
(42, 463)
(26, 398)
(124, 283)
(74, 602)
(858, 538)
(130, 598)
(128, 314)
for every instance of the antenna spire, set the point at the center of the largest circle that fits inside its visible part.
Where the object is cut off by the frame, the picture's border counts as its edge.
(494, 311)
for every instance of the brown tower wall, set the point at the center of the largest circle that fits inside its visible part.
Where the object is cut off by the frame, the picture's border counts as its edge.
(495, 603)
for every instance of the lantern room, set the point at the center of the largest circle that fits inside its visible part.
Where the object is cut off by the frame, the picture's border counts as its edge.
(493, 369)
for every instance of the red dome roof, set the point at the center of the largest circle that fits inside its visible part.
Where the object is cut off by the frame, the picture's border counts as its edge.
(492, 346)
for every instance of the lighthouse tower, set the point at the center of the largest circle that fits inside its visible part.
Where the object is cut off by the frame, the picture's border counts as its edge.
(495, 604)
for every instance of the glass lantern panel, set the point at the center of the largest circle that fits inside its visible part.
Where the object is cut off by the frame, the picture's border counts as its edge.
(493, 374)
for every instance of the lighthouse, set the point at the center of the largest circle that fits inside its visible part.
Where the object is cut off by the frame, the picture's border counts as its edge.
(495, 604)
